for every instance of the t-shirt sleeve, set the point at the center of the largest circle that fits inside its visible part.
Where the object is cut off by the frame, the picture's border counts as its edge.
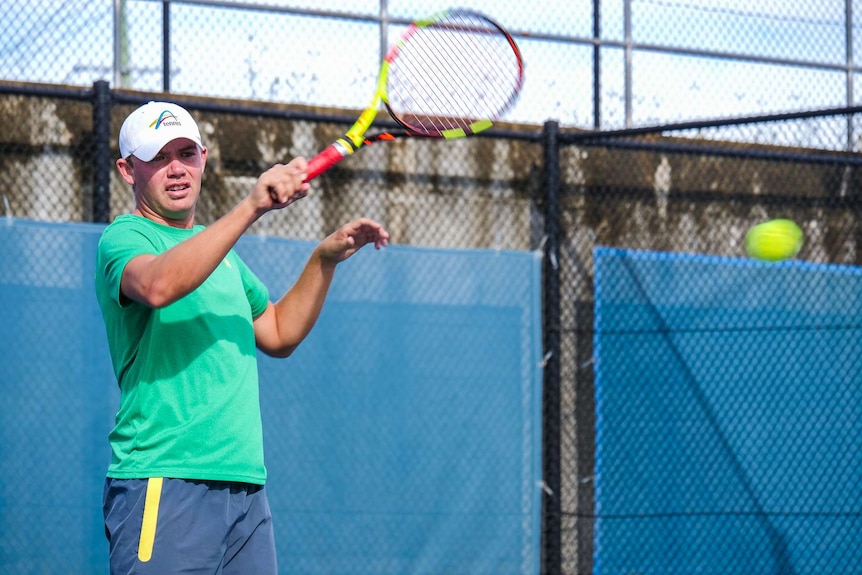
(118, 245)
(255, 290)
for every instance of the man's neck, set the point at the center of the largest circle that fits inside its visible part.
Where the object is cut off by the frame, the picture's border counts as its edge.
(186, 222)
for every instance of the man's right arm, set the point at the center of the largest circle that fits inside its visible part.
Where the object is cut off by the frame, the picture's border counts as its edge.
(159, 280)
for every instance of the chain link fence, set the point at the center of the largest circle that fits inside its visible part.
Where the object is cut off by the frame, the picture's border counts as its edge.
(609, 65)
(709, 369)
(680, 440)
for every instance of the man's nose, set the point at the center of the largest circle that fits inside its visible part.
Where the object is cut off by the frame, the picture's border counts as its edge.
(176, 166)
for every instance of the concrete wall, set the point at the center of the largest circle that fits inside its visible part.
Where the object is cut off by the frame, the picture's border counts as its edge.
(466, 193)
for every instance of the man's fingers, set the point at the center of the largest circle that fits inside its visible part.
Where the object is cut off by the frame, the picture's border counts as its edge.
(287, 194)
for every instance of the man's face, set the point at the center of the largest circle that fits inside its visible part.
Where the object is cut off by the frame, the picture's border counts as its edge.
(167, 187)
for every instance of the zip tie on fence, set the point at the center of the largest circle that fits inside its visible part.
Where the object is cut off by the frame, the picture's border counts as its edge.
(545, 488)
(8, 210)
(551, 255)
(547, 358)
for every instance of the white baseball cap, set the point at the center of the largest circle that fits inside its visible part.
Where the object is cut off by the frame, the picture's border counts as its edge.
(146, 131)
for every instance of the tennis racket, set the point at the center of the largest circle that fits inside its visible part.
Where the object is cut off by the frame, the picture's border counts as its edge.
(449, 76)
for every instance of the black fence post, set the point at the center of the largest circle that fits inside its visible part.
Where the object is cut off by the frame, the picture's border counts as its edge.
(551, 500)
(101, 151)
(166, 46)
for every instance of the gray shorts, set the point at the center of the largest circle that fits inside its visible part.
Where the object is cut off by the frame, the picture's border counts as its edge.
(163, 526)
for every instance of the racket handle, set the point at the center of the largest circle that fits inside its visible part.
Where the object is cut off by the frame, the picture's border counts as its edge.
(333, 154)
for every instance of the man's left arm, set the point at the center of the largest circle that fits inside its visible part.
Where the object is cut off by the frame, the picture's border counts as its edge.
(285, 324)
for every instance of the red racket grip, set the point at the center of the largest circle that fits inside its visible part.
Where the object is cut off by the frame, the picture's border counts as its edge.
(333, 154)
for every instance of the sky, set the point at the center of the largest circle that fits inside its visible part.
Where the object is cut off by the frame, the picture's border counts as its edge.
(307, 59)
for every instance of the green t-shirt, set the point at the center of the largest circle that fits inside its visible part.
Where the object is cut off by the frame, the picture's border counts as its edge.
(189, 403)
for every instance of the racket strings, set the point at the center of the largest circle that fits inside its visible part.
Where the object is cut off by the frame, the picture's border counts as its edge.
(455, 73)
(452, 73)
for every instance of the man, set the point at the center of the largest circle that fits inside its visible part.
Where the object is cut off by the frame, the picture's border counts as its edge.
(184, 316)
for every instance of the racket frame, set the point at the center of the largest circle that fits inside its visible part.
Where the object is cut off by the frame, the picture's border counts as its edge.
(355, 138)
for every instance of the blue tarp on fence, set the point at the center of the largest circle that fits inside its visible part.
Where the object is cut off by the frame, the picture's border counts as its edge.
(728, 415)
(402, 437)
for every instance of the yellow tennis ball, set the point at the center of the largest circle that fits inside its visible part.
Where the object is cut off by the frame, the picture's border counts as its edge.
(774, 240)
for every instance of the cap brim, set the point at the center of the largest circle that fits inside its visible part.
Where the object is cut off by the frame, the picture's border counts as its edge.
(146, 152)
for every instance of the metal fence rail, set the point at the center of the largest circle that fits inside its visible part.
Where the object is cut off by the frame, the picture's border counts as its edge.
(598, 65)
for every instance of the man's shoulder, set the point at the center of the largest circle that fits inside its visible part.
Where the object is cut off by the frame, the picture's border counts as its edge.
(141, 225)
(125, 222)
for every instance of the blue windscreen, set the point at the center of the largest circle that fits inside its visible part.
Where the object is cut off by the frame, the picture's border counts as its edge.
(728, 415)
(404, 435)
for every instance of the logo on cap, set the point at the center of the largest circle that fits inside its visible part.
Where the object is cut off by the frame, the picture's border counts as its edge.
(166, 118)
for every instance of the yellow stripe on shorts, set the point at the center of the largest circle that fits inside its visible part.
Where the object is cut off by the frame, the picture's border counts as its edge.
(151, 517)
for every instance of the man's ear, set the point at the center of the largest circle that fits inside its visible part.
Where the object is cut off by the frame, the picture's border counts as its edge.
(126, 171)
